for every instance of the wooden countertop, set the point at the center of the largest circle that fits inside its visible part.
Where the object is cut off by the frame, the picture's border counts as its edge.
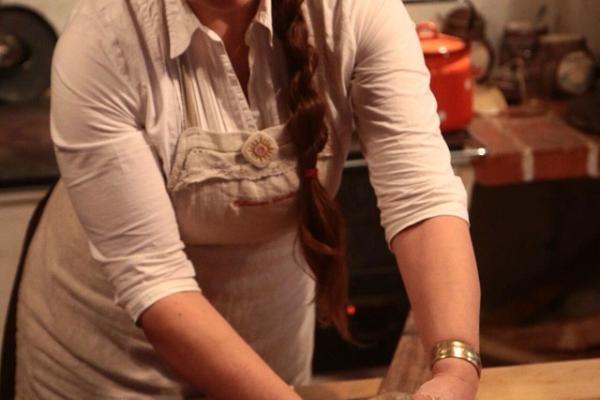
(568, 380)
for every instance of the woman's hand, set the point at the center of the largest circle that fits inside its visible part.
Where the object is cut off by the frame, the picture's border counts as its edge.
(453, 379)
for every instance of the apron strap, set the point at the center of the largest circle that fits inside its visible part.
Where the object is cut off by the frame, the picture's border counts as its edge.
(186, 83)
(7, 378)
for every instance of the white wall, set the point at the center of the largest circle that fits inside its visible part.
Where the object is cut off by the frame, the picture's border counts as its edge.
(56, 12)
(581, 16)
(496, 13)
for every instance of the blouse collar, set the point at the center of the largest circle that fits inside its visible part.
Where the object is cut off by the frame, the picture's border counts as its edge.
(182, 23)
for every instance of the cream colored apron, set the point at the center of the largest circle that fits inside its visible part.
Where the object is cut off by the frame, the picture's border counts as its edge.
(234, 197)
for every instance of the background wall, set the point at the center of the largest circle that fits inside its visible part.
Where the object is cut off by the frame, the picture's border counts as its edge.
(496, 12)
(581, 16)
(54, 11)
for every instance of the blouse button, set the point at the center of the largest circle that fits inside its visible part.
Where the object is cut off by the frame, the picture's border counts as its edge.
(259, 149)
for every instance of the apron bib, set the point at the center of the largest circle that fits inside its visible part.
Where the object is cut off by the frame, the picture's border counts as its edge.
(233, 187)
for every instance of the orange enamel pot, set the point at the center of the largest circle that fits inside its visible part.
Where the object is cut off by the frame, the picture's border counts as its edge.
(447, 58)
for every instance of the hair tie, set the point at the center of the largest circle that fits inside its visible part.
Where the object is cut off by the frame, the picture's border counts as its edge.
(310, 172)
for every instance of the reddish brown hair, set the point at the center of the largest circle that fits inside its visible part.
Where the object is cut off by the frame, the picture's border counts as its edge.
(322, 229)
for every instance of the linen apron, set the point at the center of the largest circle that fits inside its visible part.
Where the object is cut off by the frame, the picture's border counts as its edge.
(234, 198)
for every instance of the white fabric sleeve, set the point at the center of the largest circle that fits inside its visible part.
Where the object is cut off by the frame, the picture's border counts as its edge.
(110, 173)
(396, 118)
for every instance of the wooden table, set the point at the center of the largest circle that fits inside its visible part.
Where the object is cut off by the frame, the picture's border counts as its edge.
(569, 380)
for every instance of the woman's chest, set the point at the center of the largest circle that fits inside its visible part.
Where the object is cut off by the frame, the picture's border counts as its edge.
(237, 94)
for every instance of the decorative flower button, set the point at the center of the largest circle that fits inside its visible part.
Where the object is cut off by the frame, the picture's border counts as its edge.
(259, 149)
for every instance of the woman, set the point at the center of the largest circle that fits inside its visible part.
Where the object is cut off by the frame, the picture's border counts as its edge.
(200, 143)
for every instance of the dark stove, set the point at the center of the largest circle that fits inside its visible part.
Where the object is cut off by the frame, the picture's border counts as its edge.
(457, 140)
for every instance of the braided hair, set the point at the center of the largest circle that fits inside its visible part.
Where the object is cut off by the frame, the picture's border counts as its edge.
(322, 228)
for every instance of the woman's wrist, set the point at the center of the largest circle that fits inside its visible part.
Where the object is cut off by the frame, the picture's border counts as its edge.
(453, 378)
(458, 368)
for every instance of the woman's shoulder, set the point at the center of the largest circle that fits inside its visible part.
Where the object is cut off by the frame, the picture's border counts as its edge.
(97, 24)
(350, 16)
(337, 7)
(112, 32)
(119, 22)
(97, 13)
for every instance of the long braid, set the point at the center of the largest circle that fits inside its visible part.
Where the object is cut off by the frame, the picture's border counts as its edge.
(322, 229)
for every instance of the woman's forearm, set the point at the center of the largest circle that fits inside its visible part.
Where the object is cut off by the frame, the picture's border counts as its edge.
(199, 344)
(436, 260)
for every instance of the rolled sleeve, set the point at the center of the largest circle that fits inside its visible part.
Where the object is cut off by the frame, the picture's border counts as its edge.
(110, 172)
(396, 118)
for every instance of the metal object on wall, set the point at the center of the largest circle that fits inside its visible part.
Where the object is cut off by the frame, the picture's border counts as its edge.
(521, 40)
(26, 46)
(567, 67)
(12, 51)
(469, 25)
(518, 72)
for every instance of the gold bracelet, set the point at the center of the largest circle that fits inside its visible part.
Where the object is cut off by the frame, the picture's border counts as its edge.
(456, 349)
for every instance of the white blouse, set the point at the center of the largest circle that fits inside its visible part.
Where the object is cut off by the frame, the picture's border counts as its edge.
(116, 115)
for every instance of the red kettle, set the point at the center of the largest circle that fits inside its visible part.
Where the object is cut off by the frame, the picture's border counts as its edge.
(447, 58)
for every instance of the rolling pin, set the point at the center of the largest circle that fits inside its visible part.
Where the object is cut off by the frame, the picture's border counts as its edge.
(409, 368)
